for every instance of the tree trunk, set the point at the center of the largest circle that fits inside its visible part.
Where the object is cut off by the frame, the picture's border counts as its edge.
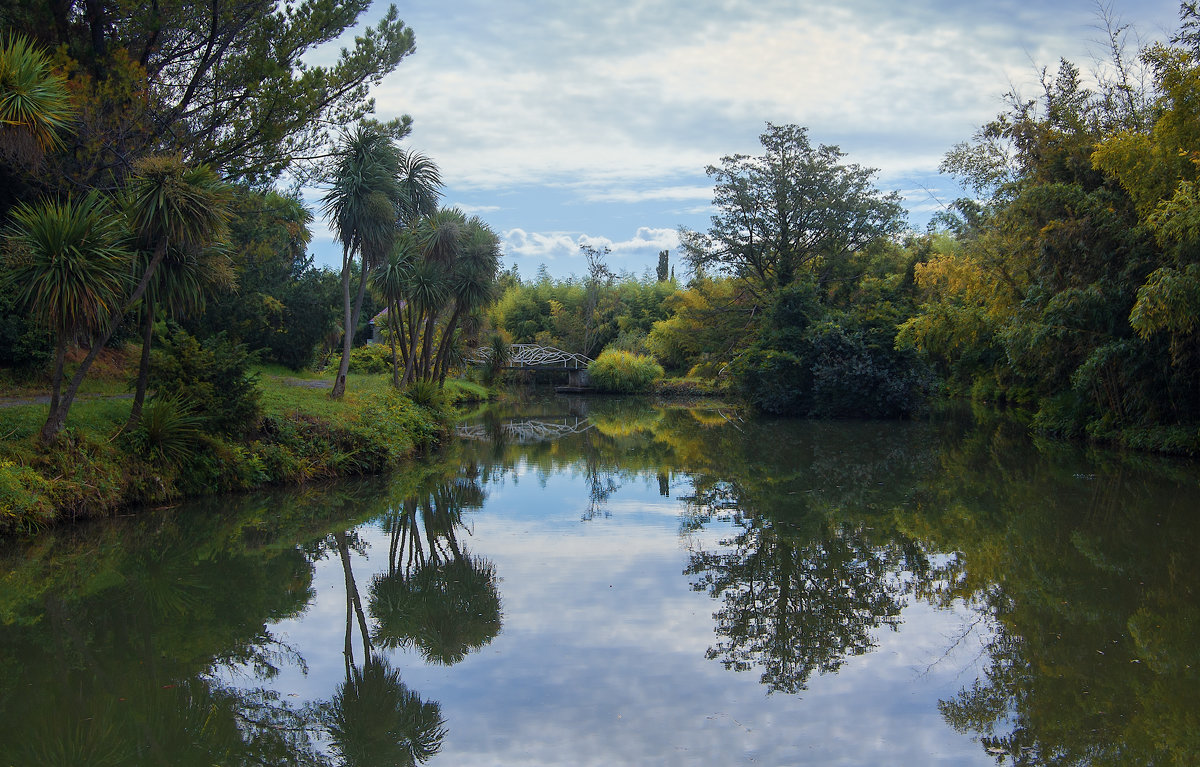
(60, 360)
(427, 346)
(339, 383)
(362, 291)
(392, 338)
(353, 602)
(442, 359)
(414, 325)
(143, 379)
(58, 415)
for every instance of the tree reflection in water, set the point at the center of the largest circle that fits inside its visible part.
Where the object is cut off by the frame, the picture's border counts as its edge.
(375, 721)
(435, 595)
(1086, 566)
(794, 601)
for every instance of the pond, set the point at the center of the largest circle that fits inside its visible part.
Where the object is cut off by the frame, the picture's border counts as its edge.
(600, 582)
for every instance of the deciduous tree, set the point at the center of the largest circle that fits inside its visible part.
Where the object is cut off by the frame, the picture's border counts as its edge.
(794, 210)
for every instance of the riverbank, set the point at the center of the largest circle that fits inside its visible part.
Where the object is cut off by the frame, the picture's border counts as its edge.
(298, 436)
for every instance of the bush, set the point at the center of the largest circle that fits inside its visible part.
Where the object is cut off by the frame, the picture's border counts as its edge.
(775, 382)
(426, 394)
(214, 376)
(372, 358)
(624, 372)
(831, 372)
(851, 377)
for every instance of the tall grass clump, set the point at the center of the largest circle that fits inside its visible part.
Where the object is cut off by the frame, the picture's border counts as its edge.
(25, 502)
(623, 372)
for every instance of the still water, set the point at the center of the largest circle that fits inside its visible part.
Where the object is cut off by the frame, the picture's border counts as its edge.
(606, 582)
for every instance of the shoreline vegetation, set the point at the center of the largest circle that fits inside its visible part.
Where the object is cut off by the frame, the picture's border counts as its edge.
(299, 436)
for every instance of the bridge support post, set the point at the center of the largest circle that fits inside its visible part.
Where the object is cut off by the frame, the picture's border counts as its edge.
(578, 378)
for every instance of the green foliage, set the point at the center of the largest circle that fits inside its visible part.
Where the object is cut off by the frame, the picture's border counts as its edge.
(67, 263)
(213, 375)
(169, 431)
(705, 326)
(25, 498)
(371, 358)
(859, 374)
(23, 344)
(794, 211)
(812, 359)
(499, 354)
(624, 372)
(582, 317)
(426, 394)
(1073, 286)
(283, 307)
(773, 381)
(231, 86)
(35, 106)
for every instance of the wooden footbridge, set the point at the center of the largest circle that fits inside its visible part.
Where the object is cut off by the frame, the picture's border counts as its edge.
(536, 357)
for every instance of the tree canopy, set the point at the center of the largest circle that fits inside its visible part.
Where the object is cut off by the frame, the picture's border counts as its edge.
(235, 85)
(796, 209)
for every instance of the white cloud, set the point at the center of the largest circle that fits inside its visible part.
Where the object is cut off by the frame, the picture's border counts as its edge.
(474, 209)
(551, 246)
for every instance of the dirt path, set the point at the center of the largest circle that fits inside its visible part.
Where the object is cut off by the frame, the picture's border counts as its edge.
(309, 383)
(44, 399)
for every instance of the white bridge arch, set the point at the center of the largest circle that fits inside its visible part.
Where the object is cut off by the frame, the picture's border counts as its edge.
(525, 356)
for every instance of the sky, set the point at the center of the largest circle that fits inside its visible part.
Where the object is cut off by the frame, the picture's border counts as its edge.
(591, 122)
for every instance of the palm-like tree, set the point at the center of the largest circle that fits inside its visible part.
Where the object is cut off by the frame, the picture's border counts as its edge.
(361, 205)
(169, 206)
(420, 182)
(70, 270)
(446, 608)
(473, 285)
(451, 277)
(35, 105)
(435, 595)
(391, 281)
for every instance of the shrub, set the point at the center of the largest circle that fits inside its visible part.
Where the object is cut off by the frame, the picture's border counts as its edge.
(624, 372)
(426, 394)
(372, 358)
(214, 376)
(853, 377)
(772, 381)
(831, 372)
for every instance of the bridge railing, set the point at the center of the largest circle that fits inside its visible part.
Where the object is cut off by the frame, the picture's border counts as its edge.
(533, 356)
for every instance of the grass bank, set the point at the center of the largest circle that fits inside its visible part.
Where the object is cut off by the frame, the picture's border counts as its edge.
(298, 435)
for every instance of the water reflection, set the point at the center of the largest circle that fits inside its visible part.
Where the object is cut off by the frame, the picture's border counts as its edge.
(149, 641)
(1087, 567)
(375, 721)
(435, 595)
(808, 546)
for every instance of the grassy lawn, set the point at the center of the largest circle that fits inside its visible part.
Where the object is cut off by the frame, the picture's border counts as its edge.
(103, 404)
(94, 469)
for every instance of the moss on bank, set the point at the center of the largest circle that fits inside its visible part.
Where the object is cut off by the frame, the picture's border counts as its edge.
(301, 436)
